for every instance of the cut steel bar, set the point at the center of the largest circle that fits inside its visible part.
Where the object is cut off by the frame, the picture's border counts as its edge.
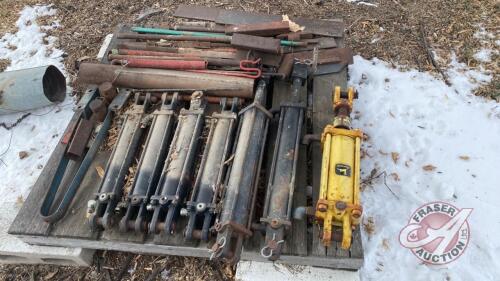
(260, 29)
(150, 165)
(146, 78)
(110, 190)
(31, 88)
(202, 206)
(281, 185)
(175, 181)
(264, 44)
(162, 64)
(233, 223)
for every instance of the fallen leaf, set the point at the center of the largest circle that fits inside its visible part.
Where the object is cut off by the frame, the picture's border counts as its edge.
(395, 176)
(19, 200)
(395, 157)
(392, 115)
(385, 243)
(382, 152)
(369, 225)
(23, 154)
(464, 157)
(50, 275)
(429, 168)
(100, 171)
(293, 26)
(407, 163)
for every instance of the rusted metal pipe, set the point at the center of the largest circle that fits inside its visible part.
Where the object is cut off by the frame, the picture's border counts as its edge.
(147, 78)
(184, 53)
(211, 61)
(172, 37)
(162, 64)
(26, 89)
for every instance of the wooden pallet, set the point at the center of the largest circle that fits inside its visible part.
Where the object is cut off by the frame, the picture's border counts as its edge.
(302, 244)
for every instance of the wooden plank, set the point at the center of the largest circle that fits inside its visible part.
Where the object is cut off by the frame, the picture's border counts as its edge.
(298, 243)
(357, 245)
(202, 252)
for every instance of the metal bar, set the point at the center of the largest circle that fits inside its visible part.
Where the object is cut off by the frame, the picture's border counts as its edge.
(60, 210)
(150, 165)
(175, 180)
(260, 29)
(145, 78)
(201, 208)
(110, 190)
(173, 37)
(232, 224)
(162, 64)
(211, 61)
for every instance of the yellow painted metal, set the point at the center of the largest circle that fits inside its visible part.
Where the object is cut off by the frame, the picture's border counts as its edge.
(338, 204)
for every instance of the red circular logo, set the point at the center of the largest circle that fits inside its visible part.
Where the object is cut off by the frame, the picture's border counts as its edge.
(437, 233)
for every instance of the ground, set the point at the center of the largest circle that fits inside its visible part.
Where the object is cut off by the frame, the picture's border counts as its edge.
(421, 35)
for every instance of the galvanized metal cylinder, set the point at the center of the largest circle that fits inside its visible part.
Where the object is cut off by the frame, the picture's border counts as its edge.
(26, 89)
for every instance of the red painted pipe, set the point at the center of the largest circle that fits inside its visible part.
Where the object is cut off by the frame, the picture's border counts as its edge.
(162, 64)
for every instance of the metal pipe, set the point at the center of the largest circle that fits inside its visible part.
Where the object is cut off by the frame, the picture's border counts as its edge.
(172, 37)
(211, 61)
(233, 222)
(201, 208)
(150, 164)
(162, 64)
(26, 89)
(181, 52)
(145, 78)
(110, 190)
(175, 181)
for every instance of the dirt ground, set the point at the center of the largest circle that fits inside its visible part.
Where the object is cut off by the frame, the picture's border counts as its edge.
(406, 33)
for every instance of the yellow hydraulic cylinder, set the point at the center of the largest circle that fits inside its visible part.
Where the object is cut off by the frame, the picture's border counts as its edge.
(338, 204)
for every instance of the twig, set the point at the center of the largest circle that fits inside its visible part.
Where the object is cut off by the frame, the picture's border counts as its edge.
(10, 126)
(124, 268)
(148, 14)
(430, 54)
(384, 173)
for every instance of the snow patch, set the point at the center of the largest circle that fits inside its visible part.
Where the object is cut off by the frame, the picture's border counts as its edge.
(427, 122)
(38, 134)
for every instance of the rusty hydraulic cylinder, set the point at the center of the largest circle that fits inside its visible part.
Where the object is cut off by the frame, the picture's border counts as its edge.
(110, 190)
(201, 208)
(279, 195)
(150, 164)
(233, 223)
(175, 181)
(162, 64)
(146, 78)
(260, 29)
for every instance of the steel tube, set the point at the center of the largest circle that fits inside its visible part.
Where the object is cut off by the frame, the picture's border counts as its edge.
(26, 89)
(146, 78)
(211, 61)
(162, 64)
(172, 37)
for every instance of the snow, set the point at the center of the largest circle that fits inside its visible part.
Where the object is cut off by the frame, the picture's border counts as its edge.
(427, 122)
(39, 133)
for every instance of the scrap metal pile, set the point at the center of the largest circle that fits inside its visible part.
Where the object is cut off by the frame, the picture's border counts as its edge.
(192, 102)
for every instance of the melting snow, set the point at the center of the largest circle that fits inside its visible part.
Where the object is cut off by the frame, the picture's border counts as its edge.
(426, 122)
(39, 133)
